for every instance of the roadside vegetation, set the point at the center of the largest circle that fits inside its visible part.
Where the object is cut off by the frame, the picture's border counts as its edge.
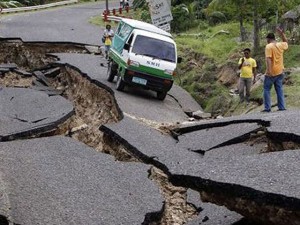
(22, 3)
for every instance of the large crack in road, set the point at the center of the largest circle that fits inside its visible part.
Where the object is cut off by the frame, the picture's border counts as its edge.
(95, 106)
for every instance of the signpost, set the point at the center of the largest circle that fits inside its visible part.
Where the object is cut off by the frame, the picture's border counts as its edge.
(106, 5)
(160, 12)
(165, 27)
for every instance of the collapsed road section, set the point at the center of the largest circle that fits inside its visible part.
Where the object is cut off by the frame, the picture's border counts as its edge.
(58, 180)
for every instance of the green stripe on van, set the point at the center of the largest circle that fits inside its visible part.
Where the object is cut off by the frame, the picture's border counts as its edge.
(152, 71)
(141, 69)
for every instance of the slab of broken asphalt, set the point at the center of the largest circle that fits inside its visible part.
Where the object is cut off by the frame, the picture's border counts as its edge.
(58, 180)
(266, 179)
(206, 139)
(136, 102)
(25, 112)
(281, 125)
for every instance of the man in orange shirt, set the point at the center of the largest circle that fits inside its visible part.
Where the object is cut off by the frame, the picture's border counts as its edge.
(274, 71)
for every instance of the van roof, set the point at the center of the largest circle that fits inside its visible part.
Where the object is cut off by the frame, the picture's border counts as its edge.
(154, 35)
(145, 26)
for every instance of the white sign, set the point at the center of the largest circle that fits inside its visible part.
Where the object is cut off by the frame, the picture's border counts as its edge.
(160, 11)
(165, 27)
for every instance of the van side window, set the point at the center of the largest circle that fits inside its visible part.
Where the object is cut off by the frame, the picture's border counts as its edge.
(128, 43)
(119, 28)
(130, 39)
(125, 31)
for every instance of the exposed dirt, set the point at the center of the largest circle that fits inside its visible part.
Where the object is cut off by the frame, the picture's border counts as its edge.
(93, 105)
(11, 79)
(114, 148)
(177, 209)
(266, 214)
(228, 75)
(274, 145)
(33, 55)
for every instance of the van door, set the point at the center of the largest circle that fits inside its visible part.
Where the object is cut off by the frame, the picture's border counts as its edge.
(120, 37)
(127, 48)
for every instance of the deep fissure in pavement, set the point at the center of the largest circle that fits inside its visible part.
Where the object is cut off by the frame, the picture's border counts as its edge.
(267, 213)
(96, 105)
(33, 55)
(177, 209)
(273, 141)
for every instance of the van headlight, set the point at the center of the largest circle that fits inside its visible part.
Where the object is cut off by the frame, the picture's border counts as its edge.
(170, 72)
(133, 63)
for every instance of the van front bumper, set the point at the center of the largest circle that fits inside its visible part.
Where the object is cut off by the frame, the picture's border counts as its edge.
(152, 82)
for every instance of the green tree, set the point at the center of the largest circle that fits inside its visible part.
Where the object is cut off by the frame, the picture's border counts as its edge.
(257, 10)
(234, 9)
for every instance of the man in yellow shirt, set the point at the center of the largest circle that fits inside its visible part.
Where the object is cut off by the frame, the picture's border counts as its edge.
(247, 65)
(274, 70)
(108, 36)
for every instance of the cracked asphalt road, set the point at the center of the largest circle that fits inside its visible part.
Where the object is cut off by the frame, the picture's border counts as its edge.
(57, 180)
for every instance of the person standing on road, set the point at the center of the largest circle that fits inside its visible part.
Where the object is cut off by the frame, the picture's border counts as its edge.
(126, 3)
(274, 70)
(121, 3)
(108, 35)
(247, 65)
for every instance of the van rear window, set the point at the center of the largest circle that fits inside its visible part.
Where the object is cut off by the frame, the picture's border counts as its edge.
(154, 48)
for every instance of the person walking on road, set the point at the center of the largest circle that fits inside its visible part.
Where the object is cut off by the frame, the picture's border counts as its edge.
(247, 66)
(107, 37)
(274, 70)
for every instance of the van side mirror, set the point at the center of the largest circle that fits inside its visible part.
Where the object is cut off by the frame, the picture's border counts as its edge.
(127, 46)
(179, 59)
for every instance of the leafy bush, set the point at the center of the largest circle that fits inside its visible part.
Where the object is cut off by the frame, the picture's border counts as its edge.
(10, 4)
(20, 3)
(216, 17)
(183, 18)
(145, 16)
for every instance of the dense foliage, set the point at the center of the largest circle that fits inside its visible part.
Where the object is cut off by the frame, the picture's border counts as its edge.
(20, 3)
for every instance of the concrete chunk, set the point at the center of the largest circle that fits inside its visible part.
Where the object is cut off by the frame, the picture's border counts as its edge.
(23, 73)
(52, 72)
(41, 77)
(9, 66)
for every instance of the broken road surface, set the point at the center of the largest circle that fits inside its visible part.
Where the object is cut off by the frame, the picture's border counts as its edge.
(246, 167)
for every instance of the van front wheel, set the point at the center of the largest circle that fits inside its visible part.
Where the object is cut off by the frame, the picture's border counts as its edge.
(120, 83)
(161, 95)
(112, 70)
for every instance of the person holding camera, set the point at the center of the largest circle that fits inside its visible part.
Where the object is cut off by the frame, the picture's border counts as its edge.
(247, 66)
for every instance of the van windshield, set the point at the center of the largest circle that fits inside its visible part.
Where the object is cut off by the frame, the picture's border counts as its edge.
(154, 48)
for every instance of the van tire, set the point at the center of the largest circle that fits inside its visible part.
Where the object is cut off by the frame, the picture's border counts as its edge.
(120, 83)
(112, 70)
(161, 95)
